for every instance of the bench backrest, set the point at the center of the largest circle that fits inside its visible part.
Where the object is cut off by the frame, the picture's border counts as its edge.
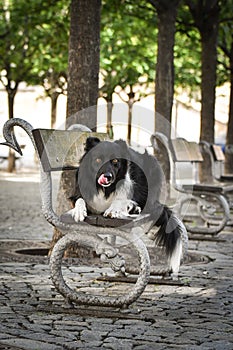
(184, 158)
(61, 149)
(217, 153)
(217, 157)
(185, 151)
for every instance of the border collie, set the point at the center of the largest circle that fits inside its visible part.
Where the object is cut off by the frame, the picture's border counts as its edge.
(116, 181)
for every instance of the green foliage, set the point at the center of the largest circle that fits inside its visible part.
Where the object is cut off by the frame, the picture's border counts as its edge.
(29, 42)
(15, 52)
(34, 45)
(128, 45)
(225, 43)
(187, 52)
(187, 61)
(128, 52)
(50, 64)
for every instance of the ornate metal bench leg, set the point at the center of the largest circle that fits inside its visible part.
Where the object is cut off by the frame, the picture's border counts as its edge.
(93, 242)
(218, 223)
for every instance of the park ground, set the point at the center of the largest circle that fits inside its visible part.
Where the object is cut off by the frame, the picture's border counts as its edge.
(198, 314)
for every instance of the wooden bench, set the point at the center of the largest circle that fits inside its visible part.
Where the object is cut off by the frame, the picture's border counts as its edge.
(210, 199)
(61, 150)
(217, 160)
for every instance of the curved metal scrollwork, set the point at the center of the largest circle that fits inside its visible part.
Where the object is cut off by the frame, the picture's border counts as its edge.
(206, 212)
(82, 298)
(81, 235)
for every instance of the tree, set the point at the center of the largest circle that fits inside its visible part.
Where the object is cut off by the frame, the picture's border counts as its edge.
(187, 54)
(206, 15)
(20, 32)
(51, 61)
(83, 70)
(164, 81)
(226, 61)
(130, 94)
(54, 84)
(127, 54)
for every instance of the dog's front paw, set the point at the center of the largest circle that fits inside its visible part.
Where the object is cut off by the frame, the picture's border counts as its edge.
(133, 207)
(79, 212)
(121, 209)
(116, 210)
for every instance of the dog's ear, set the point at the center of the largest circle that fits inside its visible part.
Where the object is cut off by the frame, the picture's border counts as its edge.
(121, 143)
(124, 150)
(91, 142)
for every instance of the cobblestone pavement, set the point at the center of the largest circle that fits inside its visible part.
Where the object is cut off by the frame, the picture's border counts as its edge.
(192, 316)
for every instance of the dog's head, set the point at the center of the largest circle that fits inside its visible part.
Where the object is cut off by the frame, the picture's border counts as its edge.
(105, 161)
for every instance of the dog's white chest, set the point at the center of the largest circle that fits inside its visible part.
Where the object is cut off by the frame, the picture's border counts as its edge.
(100, 203)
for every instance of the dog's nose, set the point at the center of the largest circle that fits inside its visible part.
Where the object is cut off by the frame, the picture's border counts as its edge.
(108, 176)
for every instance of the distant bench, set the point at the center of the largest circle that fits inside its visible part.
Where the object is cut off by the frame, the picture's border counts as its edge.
(217, 160)
(211, 199)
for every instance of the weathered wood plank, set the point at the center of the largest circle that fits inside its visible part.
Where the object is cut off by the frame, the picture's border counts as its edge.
(218, 153)
(61, 149)
(97, 220)
(184, 151)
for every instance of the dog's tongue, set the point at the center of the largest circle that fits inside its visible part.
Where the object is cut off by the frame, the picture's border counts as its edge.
(102, 180)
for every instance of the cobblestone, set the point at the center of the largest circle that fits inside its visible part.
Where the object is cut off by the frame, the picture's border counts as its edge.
(194, 316)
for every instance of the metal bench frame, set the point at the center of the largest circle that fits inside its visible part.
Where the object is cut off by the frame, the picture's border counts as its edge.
(217, 159)
(196, 192)
(82, 233)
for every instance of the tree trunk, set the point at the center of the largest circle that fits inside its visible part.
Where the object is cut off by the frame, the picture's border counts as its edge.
(11, 156)
(164, 82)
(206, 15)
(229, 136)
(208, 85)
(54, 98)
(11, 161)
(130, 114)
(208, 80)
(83, 70)
(109, 126)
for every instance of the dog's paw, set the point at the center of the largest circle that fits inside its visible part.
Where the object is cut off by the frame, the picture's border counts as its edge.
(79, 212)
(121, 209)
(117, 209)
(133, 208)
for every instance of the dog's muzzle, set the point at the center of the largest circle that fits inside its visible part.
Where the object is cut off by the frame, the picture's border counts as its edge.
(105, 179)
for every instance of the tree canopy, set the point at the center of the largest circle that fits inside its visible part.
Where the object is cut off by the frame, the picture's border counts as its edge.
(34, 45)
(23, 24)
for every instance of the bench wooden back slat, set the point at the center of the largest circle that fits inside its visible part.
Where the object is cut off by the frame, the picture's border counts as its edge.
(61, 149)
(185, 151)
(217, 153)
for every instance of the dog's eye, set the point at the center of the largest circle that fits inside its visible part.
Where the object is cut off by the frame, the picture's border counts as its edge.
(115, 161)
(98, 160)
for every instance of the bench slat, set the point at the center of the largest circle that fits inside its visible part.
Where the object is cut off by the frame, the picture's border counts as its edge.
(218, 153)
(61, 149)
(184, 151)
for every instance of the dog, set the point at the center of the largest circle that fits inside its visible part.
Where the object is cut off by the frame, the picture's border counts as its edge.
(118, 182)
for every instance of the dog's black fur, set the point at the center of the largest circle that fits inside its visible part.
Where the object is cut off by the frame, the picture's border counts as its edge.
(114, 180)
